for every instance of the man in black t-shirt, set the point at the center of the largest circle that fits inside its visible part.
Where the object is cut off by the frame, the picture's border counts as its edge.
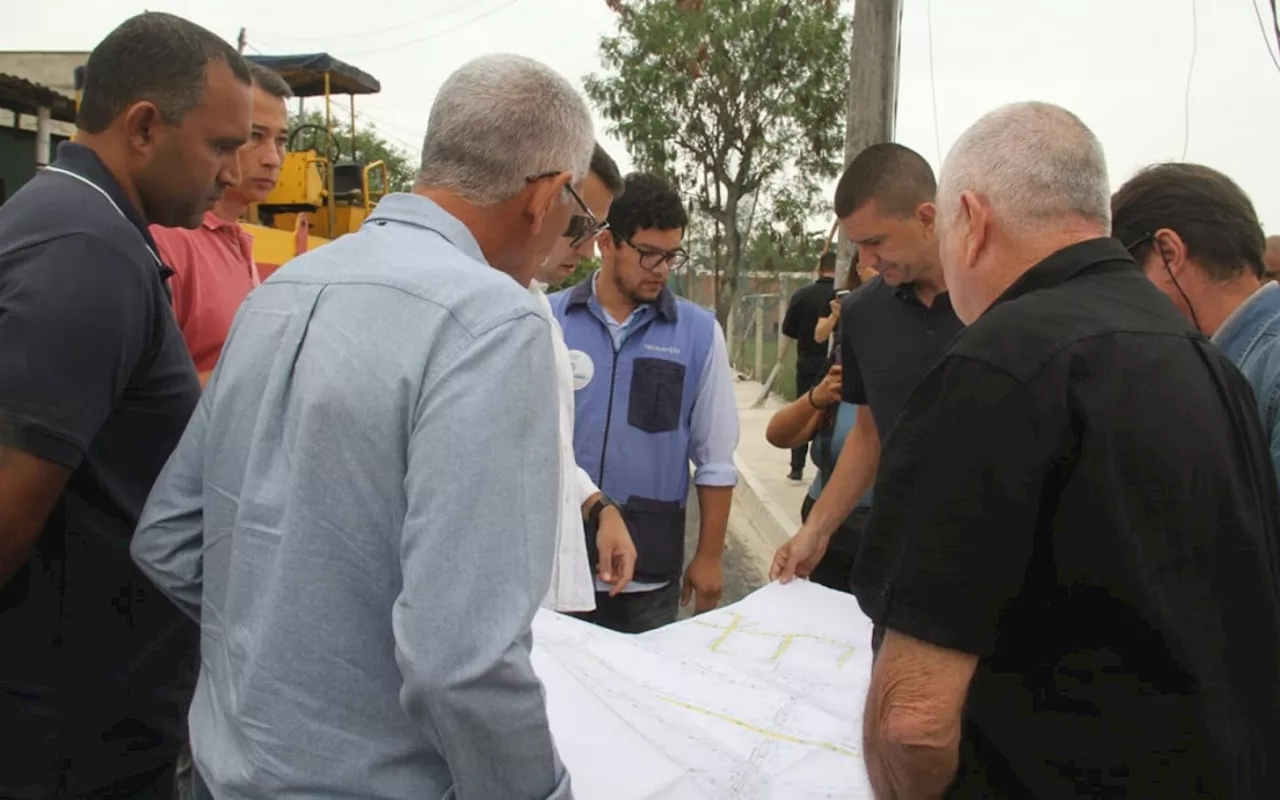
(806, 307)
(1076, 514)
(96, 387)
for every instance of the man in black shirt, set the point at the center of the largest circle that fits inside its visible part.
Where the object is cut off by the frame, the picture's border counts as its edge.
(96, 665)
(892, 330)
(1077, 514)
(806, 307)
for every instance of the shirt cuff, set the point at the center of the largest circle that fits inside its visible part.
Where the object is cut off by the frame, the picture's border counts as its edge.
(725, 474)
(586, 487)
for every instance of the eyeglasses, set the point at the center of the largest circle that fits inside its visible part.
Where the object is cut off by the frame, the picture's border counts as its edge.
(582, 226)
(652, 258)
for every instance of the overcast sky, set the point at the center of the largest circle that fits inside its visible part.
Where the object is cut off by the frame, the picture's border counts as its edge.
(1122, 65)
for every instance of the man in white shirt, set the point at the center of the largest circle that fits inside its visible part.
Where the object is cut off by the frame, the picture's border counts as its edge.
(572, 585)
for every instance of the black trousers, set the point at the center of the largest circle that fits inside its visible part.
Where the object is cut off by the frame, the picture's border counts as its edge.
(809, 373)
(836, 566)
(636, 612)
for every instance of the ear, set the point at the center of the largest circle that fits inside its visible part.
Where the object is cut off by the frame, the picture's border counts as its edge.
(1171, 249)
(140, 123)
(976, 217)
(927, 213)
(543, 196)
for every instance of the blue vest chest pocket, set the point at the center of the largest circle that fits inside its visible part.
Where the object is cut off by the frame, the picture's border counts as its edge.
(657, 392)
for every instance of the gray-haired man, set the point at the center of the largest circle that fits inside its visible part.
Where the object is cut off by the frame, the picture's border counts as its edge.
(369, 531)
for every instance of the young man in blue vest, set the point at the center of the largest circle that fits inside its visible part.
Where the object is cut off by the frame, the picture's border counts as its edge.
(653, 392)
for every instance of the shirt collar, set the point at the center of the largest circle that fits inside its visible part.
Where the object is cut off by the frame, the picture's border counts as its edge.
(422, 212)
(1067, 263)
(1264, 302)
(214, 222)
(581, 294)
(81, 160)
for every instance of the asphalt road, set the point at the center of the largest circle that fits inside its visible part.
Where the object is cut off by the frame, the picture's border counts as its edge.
(743, 573)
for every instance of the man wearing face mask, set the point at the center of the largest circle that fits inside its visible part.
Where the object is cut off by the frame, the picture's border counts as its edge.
(653, 392)
(572, 588)
(363, 511)
(96, 668)
(1198, 239)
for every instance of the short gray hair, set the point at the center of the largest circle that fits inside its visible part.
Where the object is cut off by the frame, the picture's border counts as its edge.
(1033, 162)
(500, 120)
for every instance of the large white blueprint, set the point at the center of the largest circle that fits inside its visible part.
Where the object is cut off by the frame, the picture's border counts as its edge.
(760, 700)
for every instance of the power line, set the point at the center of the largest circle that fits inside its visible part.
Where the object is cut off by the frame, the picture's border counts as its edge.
(933, 87)
(388, 29)
(1186, 100)
(1266, 35)
(437, 34)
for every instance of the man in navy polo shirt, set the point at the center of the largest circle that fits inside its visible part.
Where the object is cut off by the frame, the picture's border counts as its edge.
(96, 665)
(653, 393)
(892, 330)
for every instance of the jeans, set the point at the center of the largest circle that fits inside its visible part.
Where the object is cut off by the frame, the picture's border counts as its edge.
(636, 612)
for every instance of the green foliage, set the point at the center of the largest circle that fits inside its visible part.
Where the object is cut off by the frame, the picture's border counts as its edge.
(370, 147)
(584, 270)
(740, 102)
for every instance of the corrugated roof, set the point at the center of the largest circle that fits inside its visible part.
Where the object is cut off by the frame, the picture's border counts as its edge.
(23, 96)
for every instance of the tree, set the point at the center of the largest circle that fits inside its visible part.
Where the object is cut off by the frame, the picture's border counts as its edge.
(585, 267)
(740, 102)
(370, 147)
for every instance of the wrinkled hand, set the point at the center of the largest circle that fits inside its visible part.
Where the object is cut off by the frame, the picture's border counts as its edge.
(706, 578)
(617, 551)
(799, 556)
(828, 391)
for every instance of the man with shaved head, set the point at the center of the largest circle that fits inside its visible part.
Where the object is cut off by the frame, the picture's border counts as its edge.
(1074, 536)
(892, 330)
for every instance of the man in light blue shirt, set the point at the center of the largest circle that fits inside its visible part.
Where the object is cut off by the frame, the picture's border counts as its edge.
(362, 513)
(1197, 237)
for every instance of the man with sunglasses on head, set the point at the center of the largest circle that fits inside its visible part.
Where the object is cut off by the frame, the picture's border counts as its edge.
(572, 588)
(1197, 237)
(653, 392)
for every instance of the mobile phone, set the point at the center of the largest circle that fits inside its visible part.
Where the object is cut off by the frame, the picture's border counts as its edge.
(841, 292)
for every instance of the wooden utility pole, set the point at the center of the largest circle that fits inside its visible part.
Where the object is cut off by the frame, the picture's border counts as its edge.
(873, 88)
(241, 41)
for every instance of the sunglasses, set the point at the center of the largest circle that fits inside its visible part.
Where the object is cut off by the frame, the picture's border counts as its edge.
(582, 226)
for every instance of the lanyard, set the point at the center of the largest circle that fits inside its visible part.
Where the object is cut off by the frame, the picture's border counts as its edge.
(103, 192)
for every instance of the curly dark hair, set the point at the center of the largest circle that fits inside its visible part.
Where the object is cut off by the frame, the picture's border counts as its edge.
(647, 203)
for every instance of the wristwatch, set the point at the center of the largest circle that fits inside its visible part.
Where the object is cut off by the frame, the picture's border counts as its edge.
(593, 513)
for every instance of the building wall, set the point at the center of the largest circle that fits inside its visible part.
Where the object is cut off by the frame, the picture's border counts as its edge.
(18, 159)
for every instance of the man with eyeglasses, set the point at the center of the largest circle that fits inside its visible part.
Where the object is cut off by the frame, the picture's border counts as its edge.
(653, 392)
(1197, 237)
(572, 588)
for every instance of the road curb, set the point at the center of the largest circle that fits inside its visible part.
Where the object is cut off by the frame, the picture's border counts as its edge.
(773, 526)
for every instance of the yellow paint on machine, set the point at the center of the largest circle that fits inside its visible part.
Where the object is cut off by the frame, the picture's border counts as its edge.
(272, 247)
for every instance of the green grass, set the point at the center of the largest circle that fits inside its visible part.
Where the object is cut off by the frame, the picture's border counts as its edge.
(786, 381)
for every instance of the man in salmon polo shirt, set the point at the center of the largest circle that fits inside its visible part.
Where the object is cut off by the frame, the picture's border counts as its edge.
(213, 266)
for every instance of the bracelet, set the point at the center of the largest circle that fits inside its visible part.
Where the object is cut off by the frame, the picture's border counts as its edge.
(814, 403)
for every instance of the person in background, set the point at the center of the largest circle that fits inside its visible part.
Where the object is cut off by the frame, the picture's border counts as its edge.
(821, 418)
(572, 587)
(808, 306)
(213, 266)
(1272, 258)
(362, 514)
(96, 667)
(853, 279)
(1076, 517)
(893, 329)
(1197, 237)
(653, 393)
